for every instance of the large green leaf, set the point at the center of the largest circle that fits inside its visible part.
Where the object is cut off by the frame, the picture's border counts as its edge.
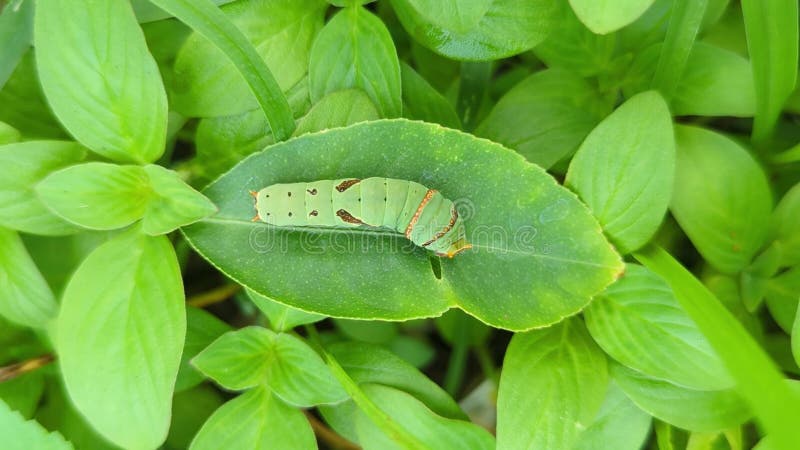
(255, 420)
(624, 170)
(552, 386)
(529, 235)
(58, 413)
(255, 356)
(120, 336)
(20, 434)
(99, 78)
(355, 50)
(721, 198)
(772, 41)
(687, 408)
(25, 297)
(482, 31)
(22, 166)
(207, 84)
(607, 16)
(638, 321)
(545, 116)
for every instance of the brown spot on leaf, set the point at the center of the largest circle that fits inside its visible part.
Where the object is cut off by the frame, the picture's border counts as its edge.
(312, 191)
(313, 213)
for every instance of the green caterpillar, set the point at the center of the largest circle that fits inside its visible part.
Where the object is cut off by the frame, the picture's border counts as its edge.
(425, 217)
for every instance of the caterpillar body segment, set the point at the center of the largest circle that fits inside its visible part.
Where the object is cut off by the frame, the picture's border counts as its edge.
(423, 215)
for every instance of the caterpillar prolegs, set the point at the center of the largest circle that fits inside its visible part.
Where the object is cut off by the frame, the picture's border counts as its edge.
(423, 215)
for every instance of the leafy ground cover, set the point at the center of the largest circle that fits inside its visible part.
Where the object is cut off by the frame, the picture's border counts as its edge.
(628, 173)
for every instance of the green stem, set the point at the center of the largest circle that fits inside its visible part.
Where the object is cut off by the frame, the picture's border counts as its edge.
(684, 22)
(474, 82)
(487, 364)
(207, 19)
(455, 368)
(789, 156)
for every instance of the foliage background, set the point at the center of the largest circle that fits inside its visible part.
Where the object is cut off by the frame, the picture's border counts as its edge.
(629, 170)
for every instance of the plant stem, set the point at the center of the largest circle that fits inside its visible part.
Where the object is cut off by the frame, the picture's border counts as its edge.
(216, 295)
(474, 82)
(329, 436)
(17, 369)
(487, 365)
(455, 368)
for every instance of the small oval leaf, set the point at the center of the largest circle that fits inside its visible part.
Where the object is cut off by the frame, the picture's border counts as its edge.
(355, 50)
(98, 196)
(100, 79)
(729, 221)
(607, 16)
(255, 356)
(552, 386)
(120, 335)
(625, 168)
(255, 420)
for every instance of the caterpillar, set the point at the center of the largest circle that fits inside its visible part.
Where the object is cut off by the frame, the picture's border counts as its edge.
(423, 215)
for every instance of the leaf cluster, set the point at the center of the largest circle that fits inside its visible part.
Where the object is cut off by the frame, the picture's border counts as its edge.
(628, 172)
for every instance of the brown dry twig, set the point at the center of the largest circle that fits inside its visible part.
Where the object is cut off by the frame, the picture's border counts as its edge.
(20, 368)
(329, 436)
